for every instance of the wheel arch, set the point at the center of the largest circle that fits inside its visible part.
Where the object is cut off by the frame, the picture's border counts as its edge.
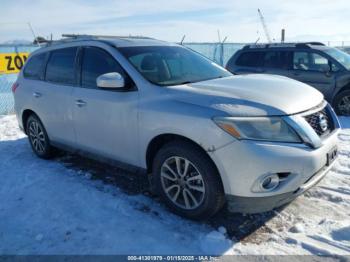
(160, 140)
(25, 115)
(341, 89)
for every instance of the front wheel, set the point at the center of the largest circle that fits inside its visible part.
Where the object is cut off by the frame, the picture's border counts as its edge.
(187, 180)
(38, 138)
(341, 103)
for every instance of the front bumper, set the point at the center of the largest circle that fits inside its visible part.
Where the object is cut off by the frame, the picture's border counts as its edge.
(263, 204)
(244, 164)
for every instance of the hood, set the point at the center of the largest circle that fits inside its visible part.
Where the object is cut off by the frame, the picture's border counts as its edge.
(250, 95)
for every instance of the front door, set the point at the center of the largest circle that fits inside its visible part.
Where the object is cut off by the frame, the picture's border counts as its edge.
(314, 69)
(105, 120)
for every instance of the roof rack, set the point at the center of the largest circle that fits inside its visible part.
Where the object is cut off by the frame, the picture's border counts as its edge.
(78, 37)
(272, 45)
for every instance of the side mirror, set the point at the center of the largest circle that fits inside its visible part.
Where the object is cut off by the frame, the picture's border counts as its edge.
(110, 81)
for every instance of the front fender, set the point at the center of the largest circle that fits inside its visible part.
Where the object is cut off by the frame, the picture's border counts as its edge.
(178, 118)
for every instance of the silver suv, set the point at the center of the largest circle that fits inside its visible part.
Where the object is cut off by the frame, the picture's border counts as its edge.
(206, 136)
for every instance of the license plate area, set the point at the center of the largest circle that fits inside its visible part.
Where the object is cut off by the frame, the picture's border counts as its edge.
(332, 155)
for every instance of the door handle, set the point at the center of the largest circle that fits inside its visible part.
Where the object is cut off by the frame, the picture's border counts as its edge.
(80, 103)
(37, 94)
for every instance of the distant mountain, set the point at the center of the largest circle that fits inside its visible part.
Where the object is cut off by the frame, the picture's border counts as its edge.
(17, 42)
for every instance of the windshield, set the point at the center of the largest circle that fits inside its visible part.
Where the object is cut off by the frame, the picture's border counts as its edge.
(172, 65)
(342, 57)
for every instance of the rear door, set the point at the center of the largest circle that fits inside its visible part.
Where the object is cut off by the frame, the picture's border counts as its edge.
(105, 121)
(312, 68)
(52, 97)
(277, 62)
(247, 62)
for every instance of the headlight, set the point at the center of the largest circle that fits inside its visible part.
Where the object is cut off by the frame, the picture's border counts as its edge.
(258, 128)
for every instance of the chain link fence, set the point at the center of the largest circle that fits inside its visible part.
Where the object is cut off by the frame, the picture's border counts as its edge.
(220, 53)
(6, 97)
(7, 80)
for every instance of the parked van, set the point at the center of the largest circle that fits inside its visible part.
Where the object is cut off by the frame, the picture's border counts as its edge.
(205, 135)
(325, 68)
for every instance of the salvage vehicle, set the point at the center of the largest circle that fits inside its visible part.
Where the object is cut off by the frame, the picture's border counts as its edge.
(207, 137)
(325, 68)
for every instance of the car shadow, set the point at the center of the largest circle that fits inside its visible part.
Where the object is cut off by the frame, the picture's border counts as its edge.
(238, 226)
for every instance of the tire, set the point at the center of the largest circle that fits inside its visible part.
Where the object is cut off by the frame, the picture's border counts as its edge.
(341, 103)
(38, 139)
(202, 180)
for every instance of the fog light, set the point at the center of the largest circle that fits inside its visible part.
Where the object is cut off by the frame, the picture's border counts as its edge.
(269, 182)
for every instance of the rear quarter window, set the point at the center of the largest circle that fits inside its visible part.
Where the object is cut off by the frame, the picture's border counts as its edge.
(250, 59)
(34, 68)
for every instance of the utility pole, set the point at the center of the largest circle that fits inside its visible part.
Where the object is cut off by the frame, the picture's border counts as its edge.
(283, 35)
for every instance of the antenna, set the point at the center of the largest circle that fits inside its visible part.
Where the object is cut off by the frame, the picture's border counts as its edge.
(262, 20)
(257, 40)
(182, 40)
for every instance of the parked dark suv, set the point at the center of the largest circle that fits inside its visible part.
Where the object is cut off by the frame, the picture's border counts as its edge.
(325, 68)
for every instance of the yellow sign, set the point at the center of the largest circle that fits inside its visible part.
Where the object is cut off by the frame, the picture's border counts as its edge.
(12, 62)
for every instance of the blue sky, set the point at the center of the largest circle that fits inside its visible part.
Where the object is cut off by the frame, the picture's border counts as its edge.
(199, 20)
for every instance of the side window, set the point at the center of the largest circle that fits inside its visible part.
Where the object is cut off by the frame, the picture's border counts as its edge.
(35, 67)
(61, 66)
(97, 62)
(277, 59)
(301, 61)
(250, 59)
(310, 62)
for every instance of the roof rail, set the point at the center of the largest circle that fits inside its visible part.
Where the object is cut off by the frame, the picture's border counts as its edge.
(314, 43)
(80, 36)
(66, 38)
(297, 45)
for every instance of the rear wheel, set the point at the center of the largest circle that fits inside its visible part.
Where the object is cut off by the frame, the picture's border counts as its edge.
(38, 138)
(187, 180)
(341, 103)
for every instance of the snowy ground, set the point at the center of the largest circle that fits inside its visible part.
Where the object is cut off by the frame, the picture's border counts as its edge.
(70, 206)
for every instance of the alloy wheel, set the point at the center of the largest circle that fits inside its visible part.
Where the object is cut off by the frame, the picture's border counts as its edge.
(37, 137)
(182, 182)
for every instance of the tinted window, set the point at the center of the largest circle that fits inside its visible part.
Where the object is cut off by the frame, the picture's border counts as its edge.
(34, 67)
(97, 62)
(61, 66)
(276, 59)
(310, 62)
(250, 59)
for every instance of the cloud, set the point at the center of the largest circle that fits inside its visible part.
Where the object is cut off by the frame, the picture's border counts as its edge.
(170, 20)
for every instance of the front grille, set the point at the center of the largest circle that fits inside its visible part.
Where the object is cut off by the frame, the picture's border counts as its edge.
(321, 122)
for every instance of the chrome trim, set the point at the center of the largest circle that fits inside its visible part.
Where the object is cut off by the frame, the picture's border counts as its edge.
(305, 130)
(335, 119)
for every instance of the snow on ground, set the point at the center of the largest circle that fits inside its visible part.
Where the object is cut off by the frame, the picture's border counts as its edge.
(49, 208)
